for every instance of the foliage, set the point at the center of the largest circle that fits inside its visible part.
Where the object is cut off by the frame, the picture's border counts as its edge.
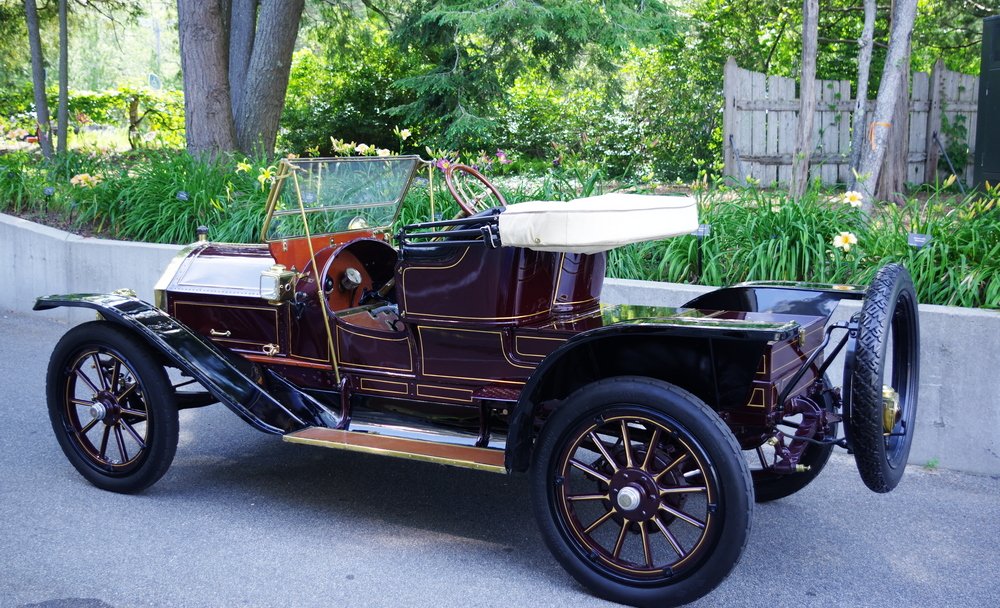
(765, 236)
(476, 49)
(345, 91)
(158, 115)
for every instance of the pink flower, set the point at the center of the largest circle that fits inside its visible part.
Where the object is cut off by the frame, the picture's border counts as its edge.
(502, 157)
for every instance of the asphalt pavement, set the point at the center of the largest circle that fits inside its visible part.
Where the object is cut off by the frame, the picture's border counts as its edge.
(243, 519)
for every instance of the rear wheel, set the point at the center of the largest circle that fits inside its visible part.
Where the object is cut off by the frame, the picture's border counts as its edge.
(111, 406)
(884, 379)
(641, 492)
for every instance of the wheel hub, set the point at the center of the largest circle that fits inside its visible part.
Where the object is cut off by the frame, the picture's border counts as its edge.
(890, 408)
(634, 494)
(628, 498)
(98, 411)
(106, 408)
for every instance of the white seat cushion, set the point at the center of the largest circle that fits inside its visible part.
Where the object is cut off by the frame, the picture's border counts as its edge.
(598, 223)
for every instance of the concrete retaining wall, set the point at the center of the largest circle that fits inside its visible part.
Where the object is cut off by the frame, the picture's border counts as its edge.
(958, 421)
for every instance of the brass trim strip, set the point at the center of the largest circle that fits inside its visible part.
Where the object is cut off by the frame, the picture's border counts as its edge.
(483, 459)
(343, 361)
(753, 398)
(423, 393)
(404, 385)
(517, 349)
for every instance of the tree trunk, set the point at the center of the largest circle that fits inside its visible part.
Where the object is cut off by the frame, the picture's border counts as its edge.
(62, 113)
(38, 78)
(208, 118)
(866, 42)
(897, 60)
(242, 27)
(266, 83)
(807, 100)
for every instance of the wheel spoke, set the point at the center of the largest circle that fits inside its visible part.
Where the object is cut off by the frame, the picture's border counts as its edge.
(81, 402)
(589, 471)
(104, 442)
(647, 551)
(683, 490)
(120, 440)
(599, 521)
(628, 445)
(135, 435)
(578, 497)
(134, 413)
(115, 373)
(100, 371)
(90, 383)
(604, 451)
(89, 426)
(683, 516)
(667, 534)
(621, 540)
(125, 392)
(653, 442)
(670, 467)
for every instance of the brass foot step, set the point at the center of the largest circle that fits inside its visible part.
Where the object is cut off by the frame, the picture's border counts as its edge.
(484, 459)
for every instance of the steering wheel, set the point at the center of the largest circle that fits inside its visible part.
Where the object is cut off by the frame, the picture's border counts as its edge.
(471, 190)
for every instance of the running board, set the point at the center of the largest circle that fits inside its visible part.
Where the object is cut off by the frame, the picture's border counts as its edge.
(483, 459)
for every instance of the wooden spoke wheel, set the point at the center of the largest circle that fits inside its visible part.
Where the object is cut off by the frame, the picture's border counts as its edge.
(111, 406)
(642, 492)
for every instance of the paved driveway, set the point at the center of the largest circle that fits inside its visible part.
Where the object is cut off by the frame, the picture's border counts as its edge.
(242, 519)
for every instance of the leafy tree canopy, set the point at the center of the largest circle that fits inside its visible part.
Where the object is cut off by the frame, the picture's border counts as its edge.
(476, 49)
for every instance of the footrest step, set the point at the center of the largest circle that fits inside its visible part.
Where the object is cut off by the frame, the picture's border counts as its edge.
(485, 459)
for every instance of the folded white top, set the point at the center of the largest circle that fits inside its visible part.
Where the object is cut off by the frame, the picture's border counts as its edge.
(598, 223)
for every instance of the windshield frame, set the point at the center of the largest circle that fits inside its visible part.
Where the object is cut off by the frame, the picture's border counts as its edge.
(286, 172)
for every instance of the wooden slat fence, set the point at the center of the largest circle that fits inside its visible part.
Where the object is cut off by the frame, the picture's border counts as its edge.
(761, 114)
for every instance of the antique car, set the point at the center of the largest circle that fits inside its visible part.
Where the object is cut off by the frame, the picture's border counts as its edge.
(481, 341)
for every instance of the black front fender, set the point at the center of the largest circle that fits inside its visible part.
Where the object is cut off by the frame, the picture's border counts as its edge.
(227, 377)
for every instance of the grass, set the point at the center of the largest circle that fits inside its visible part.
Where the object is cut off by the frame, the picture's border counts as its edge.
(163, 196)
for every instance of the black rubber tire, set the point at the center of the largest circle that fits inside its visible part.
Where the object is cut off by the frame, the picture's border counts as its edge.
(890, 306)
(152, 394)
(772, 486)
(726, 533)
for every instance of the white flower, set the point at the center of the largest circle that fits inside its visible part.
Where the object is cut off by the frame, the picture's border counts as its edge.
(845, 240)
(382, 152)
(853, 198)
(362, 149)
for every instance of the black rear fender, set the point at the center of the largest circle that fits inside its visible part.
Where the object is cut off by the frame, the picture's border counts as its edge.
(785, 297)
(229, 378)
(717, 369)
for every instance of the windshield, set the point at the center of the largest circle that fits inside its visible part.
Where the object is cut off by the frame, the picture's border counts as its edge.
(337, 195)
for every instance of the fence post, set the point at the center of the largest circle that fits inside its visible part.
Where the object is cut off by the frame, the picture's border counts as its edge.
(729, 88)
(933, 121)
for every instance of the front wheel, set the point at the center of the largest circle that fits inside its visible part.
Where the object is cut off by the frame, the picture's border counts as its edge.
(112, 407)
(641, 492)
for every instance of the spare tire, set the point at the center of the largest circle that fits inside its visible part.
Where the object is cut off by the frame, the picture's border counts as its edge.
(883, 372)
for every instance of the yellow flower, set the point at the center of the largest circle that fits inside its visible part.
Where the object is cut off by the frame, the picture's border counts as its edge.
(382, 152)
(243, 167)
(404, 134)
(85, 180)
(845, 240)
(266, 175)
(853, 198)
(949, 181)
